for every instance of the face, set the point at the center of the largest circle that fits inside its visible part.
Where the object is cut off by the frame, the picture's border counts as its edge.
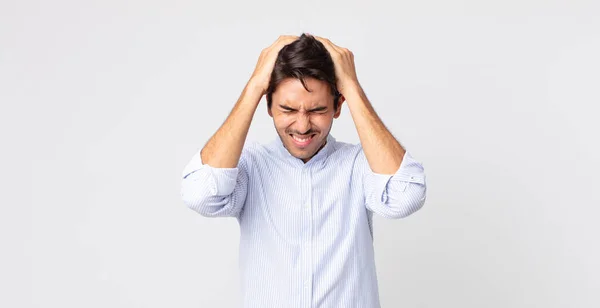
(303, 119)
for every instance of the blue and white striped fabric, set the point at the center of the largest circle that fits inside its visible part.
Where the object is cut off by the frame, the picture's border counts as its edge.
(306, 235)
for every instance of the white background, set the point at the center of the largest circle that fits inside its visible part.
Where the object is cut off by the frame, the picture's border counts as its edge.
(104, 102)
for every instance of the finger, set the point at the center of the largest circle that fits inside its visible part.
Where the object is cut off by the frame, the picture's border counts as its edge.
(330, 46)
(287, 38)
(325, 43)
(284, 40)
(281, 41)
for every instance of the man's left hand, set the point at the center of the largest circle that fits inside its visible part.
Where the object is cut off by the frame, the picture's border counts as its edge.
(345, 71)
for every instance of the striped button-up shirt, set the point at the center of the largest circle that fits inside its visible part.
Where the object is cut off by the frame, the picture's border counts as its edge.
(306, 233)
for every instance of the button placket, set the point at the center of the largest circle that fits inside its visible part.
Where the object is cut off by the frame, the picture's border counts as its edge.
(307, 273)
(308, 283)
(307, 188)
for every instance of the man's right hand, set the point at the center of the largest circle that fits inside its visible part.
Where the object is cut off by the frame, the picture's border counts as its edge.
(224, 148)
(262, 73)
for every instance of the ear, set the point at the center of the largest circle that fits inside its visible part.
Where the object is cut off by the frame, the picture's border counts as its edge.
(341, 100)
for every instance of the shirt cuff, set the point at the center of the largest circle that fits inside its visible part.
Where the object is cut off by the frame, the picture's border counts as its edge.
(410, 171)
(221, 181)
(195, 163)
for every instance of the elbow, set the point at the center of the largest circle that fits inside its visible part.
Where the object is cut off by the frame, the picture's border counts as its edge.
(207, 204)
(197, 197)
(397, 211)
(407, 203)
(195, 203)
(212, 197)
(411, 206)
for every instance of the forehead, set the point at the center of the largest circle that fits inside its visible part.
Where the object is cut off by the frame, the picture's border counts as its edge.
(290, 92)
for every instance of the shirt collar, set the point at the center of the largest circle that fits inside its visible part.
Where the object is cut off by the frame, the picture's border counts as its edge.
(318, 159)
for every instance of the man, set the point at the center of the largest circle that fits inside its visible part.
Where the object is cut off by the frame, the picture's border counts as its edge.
(305, 201)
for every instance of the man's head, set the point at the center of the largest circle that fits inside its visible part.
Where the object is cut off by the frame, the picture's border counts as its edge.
(302, 96)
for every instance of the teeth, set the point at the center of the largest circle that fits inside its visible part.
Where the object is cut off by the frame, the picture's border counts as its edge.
(300, 139)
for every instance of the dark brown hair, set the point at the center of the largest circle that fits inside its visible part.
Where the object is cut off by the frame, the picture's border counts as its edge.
(305, 57)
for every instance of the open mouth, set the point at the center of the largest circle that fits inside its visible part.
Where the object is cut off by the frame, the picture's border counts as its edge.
(302, 140)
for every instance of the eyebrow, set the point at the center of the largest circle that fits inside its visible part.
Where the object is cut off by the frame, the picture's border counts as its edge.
(321, 108)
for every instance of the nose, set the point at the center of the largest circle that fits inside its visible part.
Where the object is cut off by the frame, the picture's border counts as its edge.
(303, 123)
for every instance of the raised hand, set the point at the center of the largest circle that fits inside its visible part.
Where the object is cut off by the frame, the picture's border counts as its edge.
(343, 60)
(266, 62)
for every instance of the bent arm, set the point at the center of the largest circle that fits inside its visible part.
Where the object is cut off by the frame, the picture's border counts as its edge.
(224, 148)
(397, 195)
(214, 182)
(214, 192)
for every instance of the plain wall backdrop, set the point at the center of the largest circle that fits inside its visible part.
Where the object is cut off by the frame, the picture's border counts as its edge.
(104, 102)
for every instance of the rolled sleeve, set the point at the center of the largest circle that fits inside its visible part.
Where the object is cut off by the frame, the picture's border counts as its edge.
(396, 195)
(213, 191)
(195, 163)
